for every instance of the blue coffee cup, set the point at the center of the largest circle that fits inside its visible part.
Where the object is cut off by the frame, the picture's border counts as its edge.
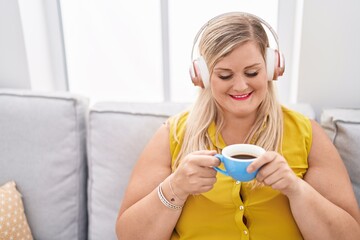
(236, 158)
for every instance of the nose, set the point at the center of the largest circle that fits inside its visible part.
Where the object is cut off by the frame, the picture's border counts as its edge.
(240, 83)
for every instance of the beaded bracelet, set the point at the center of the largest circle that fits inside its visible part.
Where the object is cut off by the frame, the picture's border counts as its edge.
(165, 201)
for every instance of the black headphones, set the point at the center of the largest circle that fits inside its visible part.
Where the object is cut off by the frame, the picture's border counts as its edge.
(275, 61)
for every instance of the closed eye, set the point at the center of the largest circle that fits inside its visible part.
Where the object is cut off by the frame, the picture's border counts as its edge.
(251, 74)
(225, 77)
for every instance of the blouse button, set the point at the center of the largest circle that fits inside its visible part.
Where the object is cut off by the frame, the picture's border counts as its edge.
(237, 182)
(241, 207)
(245, 232)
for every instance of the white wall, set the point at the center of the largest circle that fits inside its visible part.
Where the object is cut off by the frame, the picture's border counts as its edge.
(289, 30)
(329, 56)
(44, 44)
(328, 61)
(13, 64)
(31, 45)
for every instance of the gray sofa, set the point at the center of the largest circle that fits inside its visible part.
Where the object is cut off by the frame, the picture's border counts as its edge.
(71, 161)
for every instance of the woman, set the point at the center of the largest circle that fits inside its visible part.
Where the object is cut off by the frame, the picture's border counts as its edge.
(302, 190)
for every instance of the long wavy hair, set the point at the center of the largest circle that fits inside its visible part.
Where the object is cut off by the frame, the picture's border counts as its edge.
(220, 37)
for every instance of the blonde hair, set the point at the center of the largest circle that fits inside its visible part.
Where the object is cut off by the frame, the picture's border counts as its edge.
(219, 38)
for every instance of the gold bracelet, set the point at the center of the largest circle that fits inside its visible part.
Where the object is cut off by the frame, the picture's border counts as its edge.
(165, 201)
(172, 191)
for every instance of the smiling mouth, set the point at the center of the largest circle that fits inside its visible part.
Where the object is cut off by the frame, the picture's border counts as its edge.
(241, 97)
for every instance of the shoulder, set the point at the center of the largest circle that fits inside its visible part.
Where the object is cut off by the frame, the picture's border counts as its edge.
(179, 118)
(294, 116)
(177, 126)
(297, 128)
(177, 123)
(295, 121)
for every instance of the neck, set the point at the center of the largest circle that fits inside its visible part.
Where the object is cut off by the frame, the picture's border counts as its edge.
(236, 130)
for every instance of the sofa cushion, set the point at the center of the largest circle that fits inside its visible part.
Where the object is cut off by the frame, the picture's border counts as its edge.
(42, 148)
(343, 127)
(13, 222)
(117, 134)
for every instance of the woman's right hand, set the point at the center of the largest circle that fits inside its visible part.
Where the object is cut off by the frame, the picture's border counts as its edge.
(195, 173)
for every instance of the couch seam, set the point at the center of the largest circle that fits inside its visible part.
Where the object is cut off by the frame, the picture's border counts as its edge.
(37, 96)
(77, 136)
(81, 136)
(131, 113)
(90, 175)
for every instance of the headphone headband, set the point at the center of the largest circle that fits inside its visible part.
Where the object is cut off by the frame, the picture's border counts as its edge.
(268, 26)
(275, 62)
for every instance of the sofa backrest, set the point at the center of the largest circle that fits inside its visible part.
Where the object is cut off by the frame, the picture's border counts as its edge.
(70, 192)
(42, 148)
(117, 133)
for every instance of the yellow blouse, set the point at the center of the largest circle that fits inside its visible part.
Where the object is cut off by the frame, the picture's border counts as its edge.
(235, 210)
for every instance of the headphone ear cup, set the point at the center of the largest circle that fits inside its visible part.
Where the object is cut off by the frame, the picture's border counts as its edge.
(275, 64)
(203, 71)
(280, 67)
(192, 71)
(195, 75)
(270, 63)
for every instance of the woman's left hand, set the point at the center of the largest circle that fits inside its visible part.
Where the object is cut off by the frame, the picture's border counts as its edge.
(275, 172)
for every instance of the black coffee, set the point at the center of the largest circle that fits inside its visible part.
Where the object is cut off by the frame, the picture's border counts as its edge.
(243, 156)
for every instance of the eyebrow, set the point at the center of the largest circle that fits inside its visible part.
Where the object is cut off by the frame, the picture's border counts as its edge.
(253, 65)
(227, 69)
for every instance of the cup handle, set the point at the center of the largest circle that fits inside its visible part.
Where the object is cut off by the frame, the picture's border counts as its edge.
(220, 157)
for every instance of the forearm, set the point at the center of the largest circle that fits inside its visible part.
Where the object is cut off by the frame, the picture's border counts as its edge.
(149, 218)
(318, 218)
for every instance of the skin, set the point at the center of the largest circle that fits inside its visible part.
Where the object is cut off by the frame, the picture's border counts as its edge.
(239, 85)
